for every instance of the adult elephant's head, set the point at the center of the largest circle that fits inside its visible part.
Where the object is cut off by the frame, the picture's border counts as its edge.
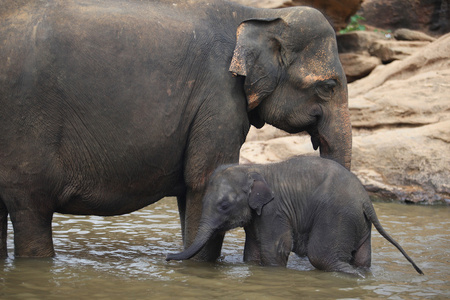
(294, 79)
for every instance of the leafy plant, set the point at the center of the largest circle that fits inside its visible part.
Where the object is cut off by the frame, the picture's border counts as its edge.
(354, 24)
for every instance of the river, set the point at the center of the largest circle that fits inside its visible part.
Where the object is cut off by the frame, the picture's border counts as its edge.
(124, 257)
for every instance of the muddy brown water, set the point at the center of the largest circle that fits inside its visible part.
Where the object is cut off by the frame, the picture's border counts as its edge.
(124, 258)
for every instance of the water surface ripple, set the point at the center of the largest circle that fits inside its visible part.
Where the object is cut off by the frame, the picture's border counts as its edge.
(124, 257)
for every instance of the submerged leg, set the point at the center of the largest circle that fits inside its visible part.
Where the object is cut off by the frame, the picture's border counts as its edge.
(181, 200)
(363, 255)
(332, 263)
(328, 253)
(32, 233)
(31, 216)
(211, 250)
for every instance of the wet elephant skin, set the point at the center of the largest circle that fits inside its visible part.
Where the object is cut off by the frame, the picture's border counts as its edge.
(311, 206)
(108, 106)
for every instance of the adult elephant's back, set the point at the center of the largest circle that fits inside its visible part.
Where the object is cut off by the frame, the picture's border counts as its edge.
(99, 99)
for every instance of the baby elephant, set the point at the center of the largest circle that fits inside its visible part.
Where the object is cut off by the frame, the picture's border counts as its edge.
(307, 205)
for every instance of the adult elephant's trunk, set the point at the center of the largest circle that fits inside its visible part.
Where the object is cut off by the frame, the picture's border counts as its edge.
(334, 134)
(203, 235)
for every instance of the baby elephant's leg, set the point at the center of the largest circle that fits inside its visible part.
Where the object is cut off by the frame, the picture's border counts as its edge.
(362, 257)
(328, 253)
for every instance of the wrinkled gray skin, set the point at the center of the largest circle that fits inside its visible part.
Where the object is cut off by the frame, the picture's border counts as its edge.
(108, 106)
(307, 205)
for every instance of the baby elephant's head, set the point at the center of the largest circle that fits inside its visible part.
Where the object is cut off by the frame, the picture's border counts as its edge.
(232, 195)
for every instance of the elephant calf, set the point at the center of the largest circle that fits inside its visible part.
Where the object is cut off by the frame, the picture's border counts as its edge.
(307, 205)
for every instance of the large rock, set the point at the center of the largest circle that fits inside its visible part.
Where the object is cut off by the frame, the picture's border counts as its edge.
(338, 12)
(409, 102)
(357, 66)
(404, 34)
(262, 3)
(391, 50)
(406, 164)
(431, 58)
(361, 51)
(358, 41)
(401, 119)
(430, 16)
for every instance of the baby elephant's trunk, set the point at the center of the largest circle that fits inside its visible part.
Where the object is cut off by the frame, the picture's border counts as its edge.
(203, 235)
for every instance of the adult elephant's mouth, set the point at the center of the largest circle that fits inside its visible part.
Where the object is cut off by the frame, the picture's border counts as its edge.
(317, 141)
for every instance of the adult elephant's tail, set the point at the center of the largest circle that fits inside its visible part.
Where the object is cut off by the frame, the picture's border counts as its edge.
(369, 211)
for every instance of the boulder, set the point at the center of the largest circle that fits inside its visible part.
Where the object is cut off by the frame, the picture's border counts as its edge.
(410, 164)
(361, 51)
(401, 119)
(413, 101)
(429, 16)
(357, 66)
(433, 57)
(358, 41)
(260, 151)
(262, 3)
(390, 50)
(404, 34)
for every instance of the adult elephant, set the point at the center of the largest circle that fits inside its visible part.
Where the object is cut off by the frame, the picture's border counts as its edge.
(108, 106)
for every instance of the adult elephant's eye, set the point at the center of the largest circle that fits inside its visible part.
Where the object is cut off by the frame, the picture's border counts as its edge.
(325, 89)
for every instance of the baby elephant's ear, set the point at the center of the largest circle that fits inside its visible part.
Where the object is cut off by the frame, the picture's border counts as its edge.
(260, 193)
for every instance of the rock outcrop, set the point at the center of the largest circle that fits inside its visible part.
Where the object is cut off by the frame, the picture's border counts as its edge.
(358, 65)
(405, 34)
(362, 51)
(429, 16)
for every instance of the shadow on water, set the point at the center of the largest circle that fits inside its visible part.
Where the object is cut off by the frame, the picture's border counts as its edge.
(124, 257)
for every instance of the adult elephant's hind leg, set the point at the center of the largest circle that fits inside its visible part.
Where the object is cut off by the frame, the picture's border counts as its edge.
(3, 229)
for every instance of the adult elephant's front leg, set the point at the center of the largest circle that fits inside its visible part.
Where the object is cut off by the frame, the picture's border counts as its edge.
(215, 138)
(3, 229)
(211, 250)
(213, 141)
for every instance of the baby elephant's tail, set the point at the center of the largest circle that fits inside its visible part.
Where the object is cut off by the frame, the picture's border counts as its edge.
(371, 215)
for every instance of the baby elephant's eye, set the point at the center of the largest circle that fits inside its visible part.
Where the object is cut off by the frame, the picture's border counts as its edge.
(224, 204)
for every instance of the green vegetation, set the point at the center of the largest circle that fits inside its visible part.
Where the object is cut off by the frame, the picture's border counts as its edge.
(354, 24)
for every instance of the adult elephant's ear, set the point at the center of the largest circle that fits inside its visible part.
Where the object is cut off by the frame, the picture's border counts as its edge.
(258, 56)
(260, 193)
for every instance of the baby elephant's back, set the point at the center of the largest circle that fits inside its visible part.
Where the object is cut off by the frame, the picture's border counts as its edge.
(329, 181)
